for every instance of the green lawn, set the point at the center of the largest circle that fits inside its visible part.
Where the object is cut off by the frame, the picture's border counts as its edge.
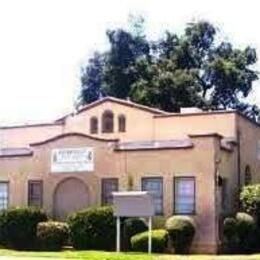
(99, 255)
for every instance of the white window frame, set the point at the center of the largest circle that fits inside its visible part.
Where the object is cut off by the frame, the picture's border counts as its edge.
(152, 178)
(4, 200)
(176, 180)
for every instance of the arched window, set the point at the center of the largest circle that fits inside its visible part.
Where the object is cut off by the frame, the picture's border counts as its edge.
(93, 125)
(108, 122)
(248, 175)
(121, 123)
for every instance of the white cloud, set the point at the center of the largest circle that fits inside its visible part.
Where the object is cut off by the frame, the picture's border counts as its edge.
(44, 42)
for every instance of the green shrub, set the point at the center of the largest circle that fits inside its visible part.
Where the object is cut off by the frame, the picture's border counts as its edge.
(139, 242)
(240, 234)
(229, 227)
(131, 227)
(52, 235)
(93, 228)
(18, 227)
(246, 230)
(181, 230)
(230, 240)
(250, 200)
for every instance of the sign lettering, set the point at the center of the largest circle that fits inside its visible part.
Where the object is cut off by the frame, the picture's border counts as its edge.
(72, 159)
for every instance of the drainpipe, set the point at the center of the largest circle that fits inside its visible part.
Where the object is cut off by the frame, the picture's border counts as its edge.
(238, 160)
(238, 166)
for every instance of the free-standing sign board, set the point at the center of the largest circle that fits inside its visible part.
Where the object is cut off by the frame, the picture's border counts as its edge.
(133, 204)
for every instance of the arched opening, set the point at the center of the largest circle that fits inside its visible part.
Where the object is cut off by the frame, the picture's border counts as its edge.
(248, 175)
(70, 195)
(93, 125)
(108, 122)
(121, 123)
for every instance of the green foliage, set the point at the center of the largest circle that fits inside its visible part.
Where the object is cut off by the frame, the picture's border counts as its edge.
(181, 230)
(18, 227)
(189, 69)
(133, 226)
(70, 254)
(159, 222)
(230, 228)
(250, 200)
(93, 228)
(139, 242)
(240, 234)
(52, 235)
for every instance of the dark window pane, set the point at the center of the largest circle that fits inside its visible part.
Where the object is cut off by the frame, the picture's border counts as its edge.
(93, 125)
(108, 186)
(224, 194)
(248, 175)
(108, 122)
(4, 195)
(184, 190)
(35, 190)
(121, 123)
(155, 187)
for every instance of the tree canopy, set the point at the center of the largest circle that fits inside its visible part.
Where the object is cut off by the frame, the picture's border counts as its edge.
(195, 68)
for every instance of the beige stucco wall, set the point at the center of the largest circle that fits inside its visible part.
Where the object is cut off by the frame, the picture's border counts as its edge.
(143, 125)
(198, 162)
(227, 168)
(249, 136)
(203, 161)
(180, 125)
(23, 136)
(139, 123)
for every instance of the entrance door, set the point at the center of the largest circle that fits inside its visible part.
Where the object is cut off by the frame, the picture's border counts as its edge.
(71, 195)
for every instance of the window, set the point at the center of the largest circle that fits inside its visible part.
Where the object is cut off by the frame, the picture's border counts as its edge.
(93, 125)
(121, 123)
(224, 194)
(248, 175)
(35, 190)
(258, 149)
(108, 122)
(108, 186)
(155, 186)
(4, 195)
(184, 191)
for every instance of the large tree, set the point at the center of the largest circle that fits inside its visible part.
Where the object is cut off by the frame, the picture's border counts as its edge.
(195, 68)
(111, 72)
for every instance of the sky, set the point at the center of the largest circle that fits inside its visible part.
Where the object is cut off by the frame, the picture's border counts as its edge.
(44, 43)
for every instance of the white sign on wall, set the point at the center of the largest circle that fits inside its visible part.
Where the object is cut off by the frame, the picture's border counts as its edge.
(72, 159)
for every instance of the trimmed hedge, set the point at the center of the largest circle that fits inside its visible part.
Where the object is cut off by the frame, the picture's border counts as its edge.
(240, 234)
(131, 227)
(181, 230)
(18, 227)
(52, 235)
(139, 242)
(93, 228)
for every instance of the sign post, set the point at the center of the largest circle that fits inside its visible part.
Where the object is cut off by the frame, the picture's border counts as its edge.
(118, 234)
(133, 204)
(150, 235)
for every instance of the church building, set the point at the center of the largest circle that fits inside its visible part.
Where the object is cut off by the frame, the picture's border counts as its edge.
(193, 162)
